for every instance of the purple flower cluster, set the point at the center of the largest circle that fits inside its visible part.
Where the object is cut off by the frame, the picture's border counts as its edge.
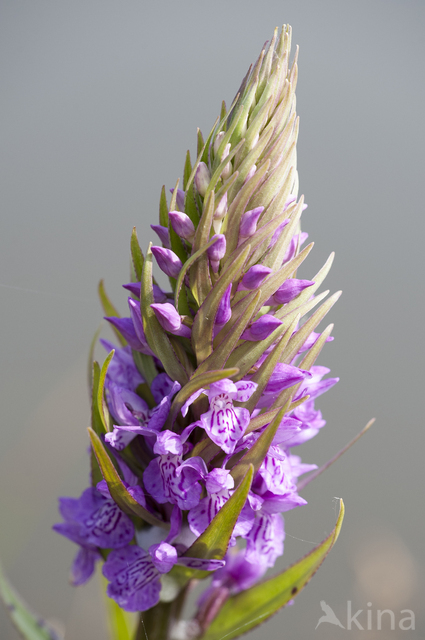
(187, 489)
(211, 369)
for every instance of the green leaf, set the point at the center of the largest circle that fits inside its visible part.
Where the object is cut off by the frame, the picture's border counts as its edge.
(117, 489)
(249, 608)
(203, 324)
(121, 623)
(221, 353)
(187, 170)
(237, 209)
(297, 340)
(136, 255)
(213, 543)
(155, 334)
(101, 404)
(247, 354)
(193, 258)
(93, 344)
(163, 208)
(145, 365)
(96, 418)
(110, 310)
(265, 371)
(256, 454)
(199, 275)
(29, 625)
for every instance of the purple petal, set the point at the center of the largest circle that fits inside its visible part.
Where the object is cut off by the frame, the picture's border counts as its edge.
(164, 556)
(254, 277)
(265, 540)
(167, 261)
(126, 328)
(169, 318)
(179, 198)
(217, 251)
(202, 178)
(245, 390)
(224, 312)
(182, 225)
(261, 328)
(190, 400)
(83, 566)
(163, 234)
(290, 290)
(134, 580)
(168, 442)
(248, 224)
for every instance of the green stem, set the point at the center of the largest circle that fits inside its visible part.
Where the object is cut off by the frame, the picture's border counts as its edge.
(154, 624)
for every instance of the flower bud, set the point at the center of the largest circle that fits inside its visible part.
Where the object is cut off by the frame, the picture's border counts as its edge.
(290, 289)
(248, 223)
(224, 312)
(261, 328)
(179, 198)
(254, 277)
(163, 234)
(217, 251)
(217, 142)
(134, 288)
(167, 261)
(228, 168)
(182, 225)
(202, 178)
(169, 318)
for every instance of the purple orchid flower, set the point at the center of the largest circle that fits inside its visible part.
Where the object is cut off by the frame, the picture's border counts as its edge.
(92, 521)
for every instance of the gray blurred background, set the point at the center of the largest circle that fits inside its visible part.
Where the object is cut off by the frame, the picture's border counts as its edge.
(100, 101)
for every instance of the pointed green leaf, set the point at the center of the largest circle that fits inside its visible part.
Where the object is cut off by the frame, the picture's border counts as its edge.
(199, 275)
(136, 255)
(223, 164)
(247, 354)
(297, 340)
(237, 209)
(121, 623)
(29, 625)
(203, 324)
(110, 310)
(262, 376)
(226, 138)
(249, 608)
(264, 418)
(305, 295)
(96, 418)
(193, 258)
(117, 489)
(187, 170)
(256, 454)
(101, 404)
(155, 334)
(222, 352)
(213, 543)
(145, 365)
(93, 344)
(163, 208)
